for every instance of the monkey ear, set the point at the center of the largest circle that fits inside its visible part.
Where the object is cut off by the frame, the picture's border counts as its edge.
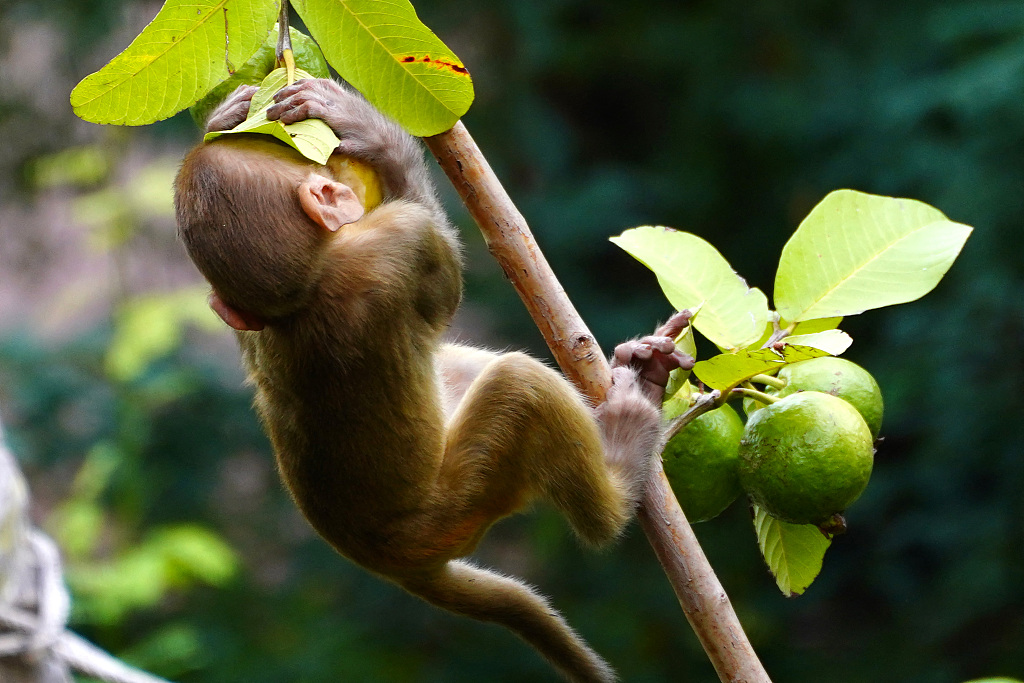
(240, 320)
(329, 203)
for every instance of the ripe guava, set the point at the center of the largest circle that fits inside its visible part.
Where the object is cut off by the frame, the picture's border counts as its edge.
(835, 376)
(805, 457)
(700, 463)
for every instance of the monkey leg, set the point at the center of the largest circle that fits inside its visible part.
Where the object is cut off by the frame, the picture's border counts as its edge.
(522, 432)
(480, 594)
(457, 367)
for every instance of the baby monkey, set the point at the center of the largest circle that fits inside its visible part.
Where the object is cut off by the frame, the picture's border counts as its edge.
(399, 449)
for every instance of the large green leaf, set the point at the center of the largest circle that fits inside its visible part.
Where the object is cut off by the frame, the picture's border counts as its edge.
(726, 370)
(794, 552)
(692, 272)
(857, 251)
(313, 138)
(188, 48)
(384, 50)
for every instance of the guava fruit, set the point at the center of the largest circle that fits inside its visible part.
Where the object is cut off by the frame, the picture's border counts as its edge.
(308, 57)
(835, 376)
(805, 457)
(700, 463)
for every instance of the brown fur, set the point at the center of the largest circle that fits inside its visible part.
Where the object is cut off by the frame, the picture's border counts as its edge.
(400, 450)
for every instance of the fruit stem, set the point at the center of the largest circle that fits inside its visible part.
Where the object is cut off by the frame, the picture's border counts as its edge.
(283, 53)
(769, 380)
(756, 395)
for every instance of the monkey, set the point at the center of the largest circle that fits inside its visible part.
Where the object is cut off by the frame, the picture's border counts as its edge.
(400, 449)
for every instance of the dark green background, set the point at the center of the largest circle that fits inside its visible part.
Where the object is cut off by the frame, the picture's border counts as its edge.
(727, 119)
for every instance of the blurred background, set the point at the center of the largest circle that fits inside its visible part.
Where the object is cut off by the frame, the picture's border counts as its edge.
(123, 398)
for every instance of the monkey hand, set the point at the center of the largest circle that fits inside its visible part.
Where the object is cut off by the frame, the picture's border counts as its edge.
(654, 357)
(350, 116)
(232, 111)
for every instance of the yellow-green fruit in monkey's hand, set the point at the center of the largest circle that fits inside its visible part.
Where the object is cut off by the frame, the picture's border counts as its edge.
(805, 457)
(700, 463)
(830, 375)
(308, 57)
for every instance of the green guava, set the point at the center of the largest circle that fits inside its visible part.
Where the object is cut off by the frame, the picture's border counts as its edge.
(830, 375)
(700, 463)
(805, 457)
(308, 57)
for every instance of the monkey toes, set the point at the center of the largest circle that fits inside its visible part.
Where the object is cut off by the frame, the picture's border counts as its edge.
(655, 356)
(674, 325)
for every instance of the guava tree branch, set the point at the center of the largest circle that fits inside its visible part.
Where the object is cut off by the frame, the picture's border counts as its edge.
(509, 239)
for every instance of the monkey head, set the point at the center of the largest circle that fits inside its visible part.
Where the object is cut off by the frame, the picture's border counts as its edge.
(256, 217)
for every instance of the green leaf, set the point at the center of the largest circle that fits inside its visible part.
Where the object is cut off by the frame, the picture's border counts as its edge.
(806, 327)
(313, 138)
(188, 48)
(678, 401)
(816, 325)
(833, 342)
(857, 251)
(726, 370)
(679, 377)
(794, 552)
(692, 272)
(149, 327)
(384, 50)
(192, 552)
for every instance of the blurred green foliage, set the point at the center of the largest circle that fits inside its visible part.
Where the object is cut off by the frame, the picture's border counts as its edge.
(727, 119)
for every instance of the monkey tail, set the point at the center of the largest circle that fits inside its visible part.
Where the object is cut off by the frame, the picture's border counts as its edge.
(488, 596)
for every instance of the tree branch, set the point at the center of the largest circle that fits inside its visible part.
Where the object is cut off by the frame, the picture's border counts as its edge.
(509, 239)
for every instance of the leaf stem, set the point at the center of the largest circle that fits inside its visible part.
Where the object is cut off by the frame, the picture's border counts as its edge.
(756, 395)
(769, 380)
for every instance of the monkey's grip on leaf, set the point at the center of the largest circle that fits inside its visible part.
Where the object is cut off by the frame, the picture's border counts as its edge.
(510, 241)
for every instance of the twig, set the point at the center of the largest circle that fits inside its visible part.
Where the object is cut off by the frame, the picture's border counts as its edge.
(509, 239)
(705, 403)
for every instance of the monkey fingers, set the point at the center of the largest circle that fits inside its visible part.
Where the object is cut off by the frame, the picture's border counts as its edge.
(233, 110)
(311, 99)
(350, 116)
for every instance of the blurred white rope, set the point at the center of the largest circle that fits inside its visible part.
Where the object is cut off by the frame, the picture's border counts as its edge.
(35, 646)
